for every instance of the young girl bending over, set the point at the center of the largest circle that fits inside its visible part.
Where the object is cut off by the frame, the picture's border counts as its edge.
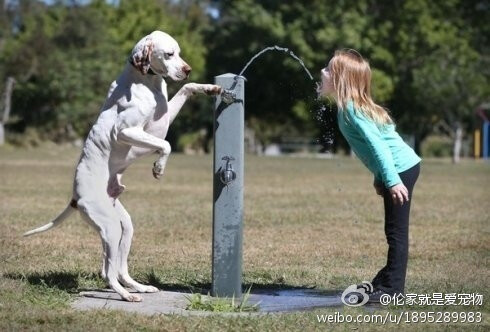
(371, 134)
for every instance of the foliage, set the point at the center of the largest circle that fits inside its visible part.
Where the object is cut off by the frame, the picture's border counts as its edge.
(193, 142)
(438, 60)
(429, 59)
(411, 46)
(437, 146)
(66, 56)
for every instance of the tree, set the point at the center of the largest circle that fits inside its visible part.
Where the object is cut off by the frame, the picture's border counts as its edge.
(9, 88)
(423, 55)
(65, 55)
(403, 40)
(453, 84)
(437, 67)
(280, 97)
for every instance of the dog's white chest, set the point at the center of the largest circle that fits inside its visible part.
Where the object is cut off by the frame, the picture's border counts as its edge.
(158, 122)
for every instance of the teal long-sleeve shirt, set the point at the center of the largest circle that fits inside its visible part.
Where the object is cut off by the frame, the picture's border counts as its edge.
(380, 148)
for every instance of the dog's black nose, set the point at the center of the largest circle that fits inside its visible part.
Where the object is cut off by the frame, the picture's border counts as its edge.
(187, 69)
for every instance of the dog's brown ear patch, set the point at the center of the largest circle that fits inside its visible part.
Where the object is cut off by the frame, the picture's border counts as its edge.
(142, 57)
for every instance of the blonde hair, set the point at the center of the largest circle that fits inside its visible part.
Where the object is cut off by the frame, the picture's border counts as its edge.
(351, 77)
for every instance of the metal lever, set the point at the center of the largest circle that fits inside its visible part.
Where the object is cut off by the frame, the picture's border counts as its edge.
(228, 96)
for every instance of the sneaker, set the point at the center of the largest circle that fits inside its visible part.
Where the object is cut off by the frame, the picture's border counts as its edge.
(375, 295)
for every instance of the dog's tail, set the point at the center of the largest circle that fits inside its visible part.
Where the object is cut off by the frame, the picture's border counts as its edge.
(56, 221)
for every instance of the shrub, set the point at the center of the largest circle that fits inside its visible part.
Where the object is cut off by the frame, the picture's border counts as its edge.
(437, 146)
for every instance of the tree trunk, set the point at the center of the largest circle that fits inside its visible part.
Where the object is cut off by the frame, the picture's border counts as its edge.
(417, 145)
(2, 134)
(7, 97)
(458, 139)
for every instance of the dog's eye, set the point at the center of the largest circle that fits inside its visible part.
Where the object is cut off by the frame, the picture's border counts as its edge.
(168, 55)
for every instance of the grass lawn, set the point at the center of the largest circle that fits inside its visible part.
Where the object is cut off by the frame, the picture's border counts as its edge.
(308, 222)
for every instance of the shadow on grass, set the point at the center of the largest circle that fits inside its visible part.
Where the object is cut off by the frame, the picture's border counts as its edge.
(272, 288)
(65, 281)
(75, 282)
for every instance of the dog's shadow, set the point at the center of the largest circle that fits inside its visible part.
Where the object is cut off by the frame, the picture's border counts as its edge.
(71, 282)
(65, 281)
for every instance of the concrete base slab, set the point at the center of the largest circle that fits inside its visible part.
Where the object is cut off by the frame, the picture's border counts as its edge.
(165, 302)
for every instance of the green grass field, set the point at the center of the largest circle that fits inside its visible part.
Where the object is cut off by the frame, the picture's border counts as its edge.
(308, 222)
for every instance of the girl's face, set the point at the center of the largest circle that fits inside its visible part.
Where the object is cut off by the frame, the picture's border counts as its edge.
(326, 88)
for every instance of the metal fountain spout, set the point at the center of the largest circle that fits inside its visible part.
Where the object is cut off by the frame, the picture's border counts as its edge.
(228, 96)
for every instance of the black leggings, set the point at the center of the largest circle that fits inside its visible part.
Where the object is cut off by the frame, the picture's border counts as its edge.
(391, 278)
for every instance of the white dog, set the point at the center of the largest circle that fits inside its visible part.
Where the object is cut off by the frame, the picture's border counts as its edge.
(133, 123)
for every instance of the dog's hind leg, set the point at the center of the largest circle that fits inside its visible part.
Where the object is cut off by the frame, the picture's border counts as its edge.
(103, 273)
(106, 221)
(124, 248)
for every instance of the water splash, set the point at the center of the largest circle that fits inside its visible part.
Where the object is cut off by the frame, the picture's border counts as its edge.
(276, 48)
(323, 115)
(326, 118)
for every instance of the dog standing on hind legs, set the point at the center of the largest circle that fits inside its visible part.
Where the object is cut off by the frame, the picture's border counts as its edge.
(133, 123)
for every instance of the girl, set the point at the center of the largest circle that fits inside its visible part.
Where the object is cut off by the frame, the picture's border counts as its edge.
(370, 132)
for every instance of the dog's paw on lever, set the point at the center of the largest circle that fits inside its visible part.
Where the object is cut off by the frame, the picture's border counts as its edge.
(212, 90)
(209, 89)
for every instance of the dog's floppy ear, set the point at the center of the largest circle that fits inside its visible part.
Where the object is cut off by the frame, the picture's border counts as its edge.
(141, 55)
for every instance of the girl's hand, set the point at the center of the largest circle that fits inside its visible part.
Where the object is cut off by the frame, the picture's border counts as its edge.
(399, 193)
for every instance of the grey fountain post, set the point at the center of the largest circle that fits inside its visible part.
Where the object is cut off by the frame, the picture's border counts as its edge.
(228, 187)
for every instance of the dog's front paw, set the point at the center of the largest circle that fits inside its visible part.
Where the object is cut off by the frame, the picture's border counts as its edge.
(157, 170)
(133, 298)
(211, 89)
